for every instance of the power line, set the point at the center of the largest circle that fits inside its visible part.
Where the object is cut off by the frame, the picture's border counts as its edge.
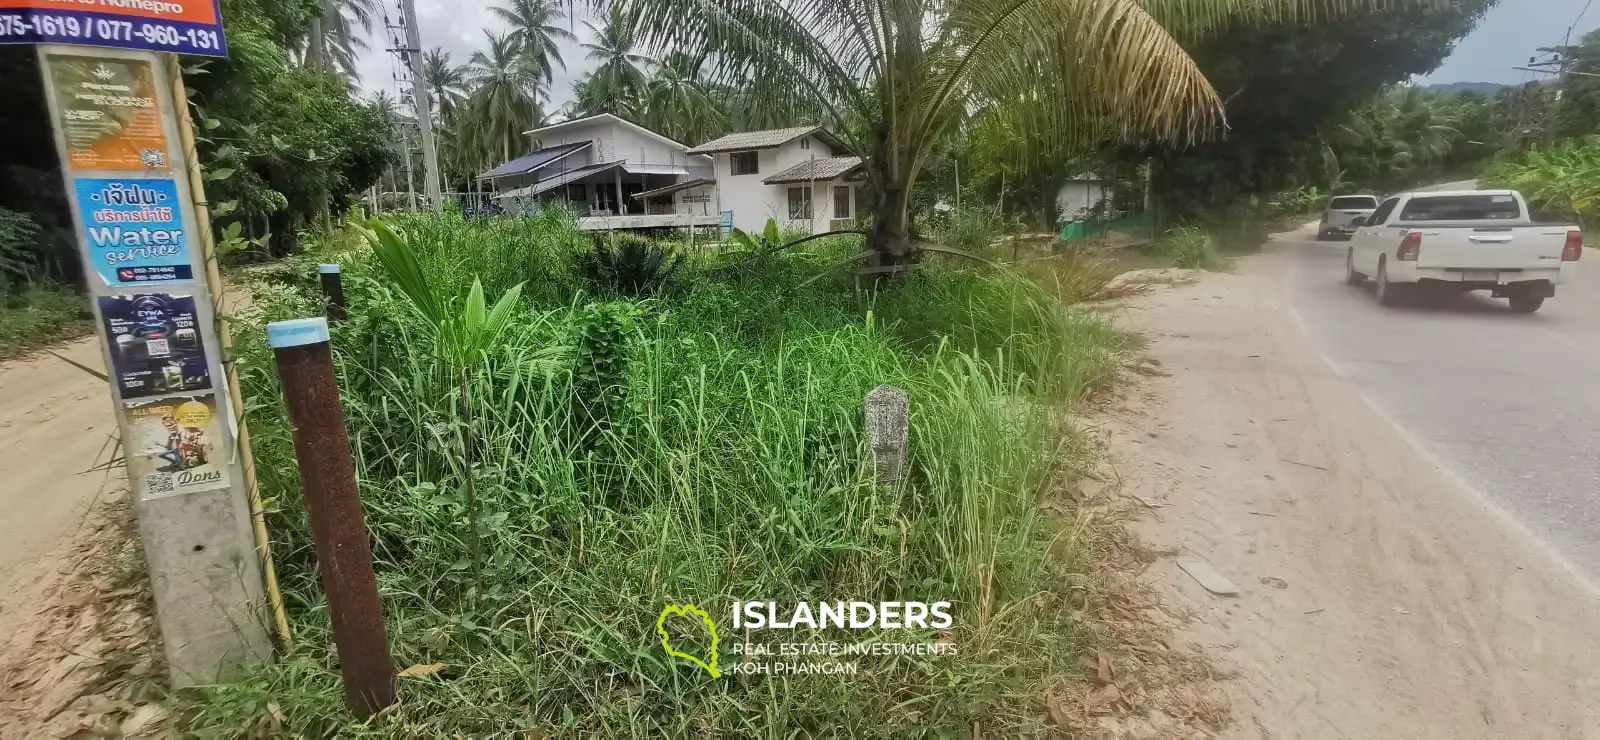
(1567, 41)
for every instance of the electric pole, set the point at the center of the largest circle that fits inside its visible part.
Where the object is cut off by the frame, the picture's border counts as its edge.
(422, 102)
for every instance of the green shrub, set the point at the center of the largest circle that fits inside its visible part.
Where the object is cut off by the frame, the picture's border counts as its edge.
(628, 265)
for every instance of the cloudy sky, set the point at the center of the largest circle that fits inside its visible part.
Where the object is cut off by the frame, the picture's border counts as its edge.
(1510, 34)
(458, 26)
(1505, 39)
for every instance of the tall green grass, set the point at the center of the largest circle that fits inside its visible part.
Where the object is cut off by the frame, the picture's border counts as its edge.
(731, 467)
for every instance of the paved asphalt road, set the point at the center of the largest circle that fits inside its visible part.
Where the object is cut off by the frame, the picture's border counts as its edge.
(1509, 403)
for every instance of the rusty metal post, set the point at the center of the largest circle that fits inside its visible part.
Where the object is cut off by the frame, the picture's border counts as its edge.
(333, 292)
(328, 474)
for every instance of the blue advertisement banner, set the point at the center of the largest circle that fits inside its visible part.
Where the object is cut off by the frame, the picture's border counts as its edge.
(182, 26)
(134, 229)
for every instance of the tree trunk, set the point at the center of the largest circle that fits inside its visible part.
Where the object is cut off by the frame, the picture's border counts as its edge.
(890, 240)
(317, 44)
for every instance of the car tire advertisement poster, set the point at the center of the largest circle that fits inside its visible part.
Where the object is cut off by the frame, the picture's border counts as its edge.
(156, 344)
(175, 445)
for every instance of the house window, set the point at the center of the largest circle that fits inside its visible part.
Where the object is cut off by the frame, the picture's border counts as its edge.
(841, 201)
(744, 163)
(578, 193)
(800, 203)
(805, 143)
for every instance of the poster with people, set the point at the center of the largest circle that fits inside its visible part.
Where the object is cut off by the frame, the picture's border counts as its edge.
(175, 445)
(156, 345)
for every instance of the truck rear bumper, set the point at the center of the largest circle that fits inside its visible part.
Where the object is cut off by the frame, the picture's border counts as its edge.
(1472, 278)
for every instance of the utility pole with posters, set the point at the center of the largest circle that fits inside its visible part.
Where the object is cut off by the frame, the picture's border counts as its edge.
(423, 102)
(119, 111)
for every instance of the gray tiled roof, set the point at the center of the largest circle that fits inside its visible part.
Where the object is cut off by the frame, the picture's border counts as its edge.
(816, 169)
(746, 140)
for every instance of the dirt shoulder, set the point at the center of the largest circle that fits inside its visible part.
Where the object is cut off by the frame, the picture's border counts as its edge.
(1378, 596)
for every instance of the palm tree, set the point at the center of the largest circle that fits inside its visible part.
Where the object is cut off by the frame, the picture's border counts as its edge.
(619, 79)
(447, 83)
(535, 29)
(507, 90)
(678, 101)
(892, 76)
(335, 37)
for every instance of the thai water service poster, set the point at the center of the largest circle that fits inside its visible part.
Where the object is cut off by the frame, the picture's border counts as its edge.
(134, 229)
(156, 347)
(175, 445)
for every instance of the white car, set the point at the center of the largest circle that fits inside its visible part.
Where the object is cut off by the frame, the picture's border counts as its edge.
(1465, 240)
(1339, 218)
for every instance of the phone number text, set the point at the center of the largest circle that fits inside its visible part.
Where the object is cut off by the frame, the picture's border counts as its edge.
(107, 32)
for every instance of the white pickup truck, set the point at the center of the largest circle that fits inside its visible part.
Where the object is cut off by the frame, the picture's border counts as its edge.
(1462, 240)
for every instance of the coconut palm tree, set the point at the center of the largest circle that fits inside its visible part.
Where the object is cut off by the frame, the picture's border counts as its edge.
(894, 75)
(679, 102)
(336, 35)
(507, 90)
(447, 83)
(535, 27)
(620, 76)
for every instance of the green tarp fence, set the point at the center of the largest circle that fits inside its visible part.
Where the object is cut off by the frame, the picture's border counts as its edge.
(1132, 225)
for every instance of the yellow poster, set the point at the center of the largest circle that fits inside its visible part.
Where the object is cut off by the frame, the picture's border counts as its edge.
(108, 113)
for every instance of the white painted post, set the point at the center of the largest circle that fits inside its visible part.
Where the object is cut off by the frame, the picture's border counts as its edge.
(885, 415)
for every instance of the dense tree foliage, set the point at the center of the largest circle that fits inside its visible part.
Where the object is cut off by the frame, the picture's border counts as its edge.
(1291, 87)
(283, 143)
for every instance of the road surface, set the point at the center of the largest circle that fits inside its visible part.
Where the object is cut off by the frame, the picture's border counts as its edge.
(1508, 403)
(55, 426)
(1379, 595)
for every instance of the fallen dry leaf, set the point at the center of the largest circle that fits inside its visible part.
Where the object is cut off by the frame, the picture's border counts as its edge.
(1102, 698)
(1058, 713)
(1103, 671)
(422, 669)
(276, 713)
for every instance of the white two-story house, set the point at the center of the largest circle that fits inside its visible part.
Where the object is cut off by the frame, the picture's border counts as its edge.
(791, 175)
(613, 173)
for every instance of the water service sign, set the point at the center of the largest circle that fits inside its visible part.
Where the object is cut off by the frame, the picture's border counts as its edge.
(134, 228)
(182, 26)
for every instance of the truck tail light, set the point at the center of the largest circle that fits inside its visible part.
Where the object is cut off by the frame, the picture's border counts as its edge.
(1410, 247)
(1574, 248)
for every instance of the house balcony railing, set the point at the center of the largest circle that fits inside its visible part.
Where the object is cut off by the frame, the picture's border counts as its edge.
(647, 221)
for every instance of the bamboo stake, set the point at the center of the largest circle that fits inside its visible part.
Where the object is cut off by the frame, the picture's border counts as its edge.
(208, 246)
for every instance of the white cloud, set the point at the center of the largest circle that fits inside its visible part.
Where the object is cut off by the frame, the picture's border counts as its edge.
(459, 28)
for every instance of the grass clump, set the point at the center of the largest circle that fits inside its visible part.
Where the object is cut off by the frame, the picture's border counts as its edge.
(1189, 247)
(35, 316)
(703, 448)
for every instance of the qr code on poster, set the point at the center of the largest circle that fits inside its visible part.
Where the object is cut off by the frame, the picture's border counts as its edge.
(153, 158)
(157, 484)
(157, 348)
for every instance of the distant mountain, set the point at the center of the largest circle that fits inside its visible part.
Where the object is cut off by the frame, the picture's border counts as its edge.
(1486, 88)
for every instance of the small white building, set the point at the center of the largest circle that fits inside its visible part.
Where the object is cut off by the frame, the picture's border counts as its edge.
(791, 175)
(1080, 196)
(614, 173)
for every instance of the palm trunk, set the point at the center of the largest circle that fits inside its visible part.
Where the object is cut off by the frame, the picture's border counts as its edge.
(890, 240)
(317, 44)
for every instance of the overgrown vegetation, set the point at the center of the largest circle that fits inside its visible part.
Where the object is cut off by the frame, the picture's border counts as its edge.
(702, 449)
(1563, 180)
